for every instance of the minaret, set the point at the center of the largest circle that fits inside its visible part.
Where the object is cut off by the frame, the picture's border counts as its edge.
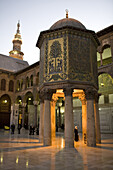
(17, 42)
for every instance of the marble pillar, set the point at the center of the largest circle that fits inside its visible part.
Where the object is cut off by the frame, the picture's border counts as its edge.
(23, 111)
(53, 121)
(97, 120)
(84, 119)
(41, 124)
(91, 136)
(35, 104)
(47, 119)
(69, 124)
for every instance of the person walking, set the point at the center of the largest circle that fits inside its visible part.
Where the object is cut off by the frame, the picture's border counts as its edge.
(12, 128)
(76, 134)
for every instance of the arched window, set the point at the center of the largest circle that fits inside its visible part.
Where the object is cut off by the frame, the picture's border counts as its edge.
(106, 55)
(27, 82)
(11, 85)
(21, 84)
(37, 79)
(3, 84)
(18, 86)
(31, 80)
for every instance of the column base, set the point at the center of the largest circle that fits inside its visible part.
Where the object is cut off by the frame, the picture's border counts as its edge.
(41, 139)
(91, 144)
(47, 142)
(69, 143)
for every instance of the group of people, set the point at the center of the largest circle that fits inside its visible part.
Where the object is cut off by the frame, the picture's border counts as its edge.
(32, 130)
(13, 128)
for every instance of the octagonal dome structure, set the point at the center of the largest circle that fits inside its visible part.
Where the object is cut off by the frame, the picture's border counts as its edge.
(68, 56)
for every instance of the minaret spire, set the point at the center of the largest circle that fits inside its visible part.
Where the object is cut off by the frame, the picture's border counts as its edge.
(67, 13)
(17, 42)
(18, 26)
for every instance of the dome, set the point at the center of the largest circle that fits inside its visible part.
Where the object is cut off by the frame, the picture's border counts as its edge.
(67, 22)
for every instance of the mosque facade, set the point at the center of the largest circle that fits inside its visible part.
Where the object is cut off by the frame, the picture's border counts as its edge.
(72, 84)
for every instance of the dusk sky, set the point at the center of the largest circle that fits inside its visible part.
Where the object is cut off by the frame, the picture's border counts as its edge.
(38, 15)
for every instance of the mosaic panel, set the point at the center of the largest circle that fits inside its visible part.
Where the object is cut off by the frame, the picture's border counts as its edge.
(79, 58)
(55, 59)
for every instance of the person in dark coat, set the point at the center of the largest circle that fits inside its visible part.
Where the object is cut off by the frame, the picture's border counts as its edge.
(19, 127)
(12, 128)
(76, 133)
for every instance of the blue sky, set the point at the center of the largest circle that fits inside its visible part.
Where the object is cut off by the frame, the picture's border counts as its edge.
(38, 15)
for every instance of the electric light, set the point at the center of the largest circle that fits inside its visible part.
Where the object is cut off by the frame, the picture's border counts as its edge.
(17, 160)
(102, 84)
(29, 99)
(1, 160)
(5, 101)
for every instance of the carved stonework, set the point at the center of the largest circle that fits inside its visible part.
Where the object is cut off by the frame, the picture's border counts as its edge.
(68, 92)
(83, 99)
(90, 93)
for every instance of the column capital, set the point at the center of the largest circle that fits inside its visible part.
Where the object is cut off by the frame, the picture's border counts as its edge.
(47, 94)
(83, 99)
(24, 104)
(68, 91)
(35, 102)
(97, 95)
(90, 93)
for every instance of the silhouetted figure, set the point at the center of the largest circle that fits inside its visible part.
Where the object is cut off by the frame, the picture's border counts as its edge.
(19, 127)
(76, 133)
(32, 129)
(12, 128)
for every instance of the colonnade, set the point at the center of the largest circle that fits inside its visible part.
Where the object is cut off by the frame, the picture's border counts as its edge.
(90, 118)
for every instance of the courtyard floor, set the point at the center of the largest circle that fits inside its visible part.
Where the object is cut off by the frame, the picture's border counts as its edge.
(23, 151)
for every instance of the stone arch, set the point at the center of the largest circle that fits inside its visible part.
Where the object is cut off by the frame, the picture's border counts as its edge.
(5, 110)
(106, 102)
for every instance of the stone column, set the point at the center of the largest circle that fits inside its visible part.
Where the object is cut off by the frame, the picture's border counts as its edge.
(23, 111)
(41, 124)
(47, 118)
(84, 119)
(53, 122)
(97, 119)
(91, 137)
(69, 124)
(101, 63)
(35, 104)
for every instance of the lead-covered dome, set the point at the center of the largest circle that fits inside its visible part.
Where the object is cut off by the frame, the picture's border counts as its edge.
(67, 22)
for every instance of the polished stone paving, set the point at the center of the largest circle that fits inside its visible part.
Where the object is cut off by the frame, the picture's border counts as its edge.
(23, 151)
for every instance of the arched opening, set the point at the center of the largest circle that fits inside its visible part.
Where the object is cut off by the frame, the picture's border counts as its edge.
(18, 85)
(29, 110)
(31, 80)
(11, 85)
(19, 101)
(5, 111)
(37, 79)
(106, 102)
(59, 112)
(3, 84)
(27, 82)
(21, 84)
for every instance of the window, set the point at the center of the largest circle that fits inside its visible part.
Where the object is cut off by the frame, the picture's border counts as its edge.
(11, 85)
(3, 84)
